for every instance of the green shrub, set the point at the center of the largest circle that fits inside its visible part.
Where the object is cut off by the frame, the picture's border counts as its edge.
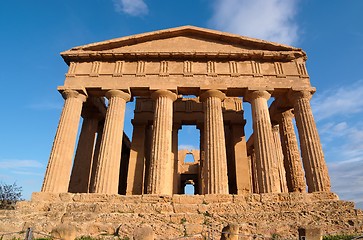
(339, 237)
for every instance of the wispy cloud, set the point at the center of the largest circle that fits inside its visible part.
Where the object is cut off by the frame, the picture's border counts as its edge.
(19, 164)
(347, 179)
(272, 20)
(131, 7)
(345, 100)
(188, 147)
(338, 112)
(45, 106)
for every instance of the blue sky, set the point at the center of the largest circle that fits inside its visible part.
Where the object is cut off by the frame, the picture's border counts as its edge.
(33, 33)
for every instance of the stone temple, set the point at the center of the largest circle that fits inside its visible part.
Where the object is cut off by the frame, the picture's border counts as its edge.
(276, 181)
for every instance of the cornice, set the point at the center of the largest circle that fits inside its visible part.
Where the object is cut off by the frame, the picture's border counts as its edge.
(263, 55)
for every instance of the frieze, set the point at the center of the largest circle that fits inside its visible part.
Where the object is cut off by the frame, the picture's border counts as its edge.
(187, 68)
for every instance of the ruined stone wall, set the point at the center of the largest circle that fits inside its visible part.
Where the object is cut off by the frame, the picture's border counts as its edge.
(180, 215)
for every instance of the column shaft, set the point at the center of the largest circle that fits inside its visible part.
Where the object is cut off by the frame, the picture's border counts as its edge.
(279, 158)
(263, 143)
(203, 174)
(214, 143)
(108, 169)
(254, 175)
(135, 175)
(82, 166)
(294, 171)
(243, 174)
(161, 170)
(60, 161)
(176, 175)
(95, 156)
(311, 150)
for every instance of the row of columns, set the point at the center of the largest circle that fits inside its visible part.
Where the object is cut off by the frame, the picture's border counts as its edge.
(269, 154)
(161, 172)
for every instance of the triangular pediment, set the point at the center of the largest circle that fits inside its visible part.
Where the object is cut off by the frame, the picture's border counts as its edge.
(182, 39)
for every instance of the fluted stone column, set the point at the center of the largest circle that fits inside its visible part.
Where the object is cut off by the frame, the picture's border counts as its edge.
(108, 168)
(60, 161)
(293, 167)
(96, 154)
(82, 166)
(176, 175)
(202, 169)
(264, 143)
(279, 158)
(316, 171)
(254, 174)
(214, 143)
(161, 162)
(136, 170)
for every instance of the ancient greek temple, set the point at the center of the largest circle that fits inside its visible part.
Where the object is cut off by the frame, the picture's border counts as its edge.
(161, 72)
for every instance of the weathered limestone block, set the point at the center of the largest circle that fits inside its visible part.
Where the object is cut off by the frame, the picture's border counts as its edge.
(240, 199)
(163, 207)
(143, 208)
(45, 197)
(154, 198)
(94, 197)
(144, 232)
(188, 199)
(96, 229)
(310, 233)
(218, 198)
(193, 229)
(64, 231)
(185, 208)
(253, 198)
(178, 218)
(230, 232)
(66, 197)
(194, 218)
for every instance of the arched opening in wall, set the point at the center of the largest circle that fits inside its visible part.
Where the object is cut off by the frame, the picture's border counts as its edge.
(188, 137)
(189, 158)
(189, 188)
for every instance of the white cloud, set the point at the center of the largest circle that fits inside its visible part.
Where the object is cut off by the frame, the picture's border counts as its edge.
(338, 112)
(271, 20)
(345, 100)
(188, 147)
(46, 106)
(131, 7)
(18, 164)
(347, 179)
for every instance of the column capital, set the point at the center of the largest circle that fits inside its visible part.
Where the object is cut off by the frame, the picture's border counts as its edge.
(212, 93)
(296, 95)
(251, 95)
(118, 93)
(70, 93)
(277, 117)
(288, 114)
(163, 92)
(275, 128)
